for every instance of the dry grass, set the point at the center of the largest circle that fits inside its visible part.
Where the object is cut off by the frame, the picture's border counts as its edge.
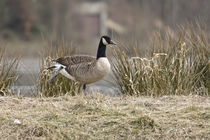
(176, 65)
(61, 84)
(102, 117)
(8, 73)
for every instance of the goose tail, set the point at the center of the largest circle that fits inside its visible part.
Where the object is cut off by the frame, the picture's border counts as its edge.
(51, 68)
(55, 67)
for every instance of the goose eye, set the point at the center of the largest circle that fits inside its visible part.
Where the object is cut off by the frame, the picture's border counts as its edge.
(104, 41)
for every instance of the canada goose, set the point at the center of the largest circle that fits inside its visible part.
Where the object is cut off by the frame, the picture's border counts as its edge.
(83, 68)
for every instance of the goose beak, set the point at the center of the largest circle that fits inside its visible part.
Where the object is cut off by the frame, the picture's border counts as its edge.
(113, 43)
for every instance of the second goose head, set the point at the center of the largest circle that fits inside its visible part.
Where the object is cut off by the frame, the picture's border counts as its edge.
(104, 41)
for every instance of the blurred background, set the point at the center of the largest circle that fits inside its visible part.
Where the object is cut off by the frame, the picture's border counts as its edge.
(26, 25)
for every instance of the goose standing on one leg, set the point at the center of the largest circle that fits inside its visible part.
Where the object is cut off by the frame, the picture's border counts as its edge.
(82, 68)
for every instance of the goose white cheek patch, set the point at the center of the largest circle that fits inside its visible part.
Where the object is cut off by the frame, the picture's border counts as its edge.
(104, 41)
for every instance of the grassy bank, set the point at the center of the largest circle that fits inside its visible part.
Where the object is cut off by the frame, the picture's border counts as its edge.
(103, 117)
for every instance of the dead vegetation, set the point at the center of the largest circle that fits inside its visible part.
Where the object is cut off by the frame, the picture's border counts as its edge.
(61, 84)
(8, 73)
(102, 117)
(176, 64)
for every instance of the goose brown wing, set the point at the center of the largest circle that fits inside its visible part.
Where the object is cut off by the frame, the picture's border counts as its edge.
(72, 60)
(81, 71)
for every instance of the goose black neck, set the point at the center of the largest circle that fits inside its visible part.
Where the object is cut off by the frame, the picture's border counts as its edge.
(101, 50)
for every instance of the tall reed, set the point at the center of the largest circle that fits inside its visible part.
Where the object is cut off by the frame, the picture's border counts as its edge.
(8, 73)
(174, 65)
(61, 84)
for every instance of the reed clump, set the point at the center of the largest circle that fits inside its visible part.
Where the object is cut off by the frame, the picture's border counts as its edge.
(8, 73)
(175, 65)
(61, 85)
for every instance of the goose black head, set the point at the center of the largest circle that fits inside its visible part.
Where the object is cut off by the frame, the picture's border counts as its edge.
(105, 40)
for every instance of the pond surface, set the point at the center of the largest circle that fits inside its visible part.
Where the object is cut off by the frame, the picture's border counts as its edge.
(28, 72)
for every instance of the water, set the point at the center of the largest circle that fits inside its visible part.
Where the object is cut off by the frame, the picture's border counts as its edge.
(27, 91)
(28, 72)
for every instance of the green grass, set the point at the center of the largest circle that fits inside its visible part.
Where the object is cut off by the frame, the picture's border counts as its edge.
(102, 117)
(174, 65)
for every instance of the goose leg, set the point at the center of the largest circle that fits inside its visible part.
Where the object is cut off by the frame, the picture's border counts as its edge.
(84, 87)
(54, 76)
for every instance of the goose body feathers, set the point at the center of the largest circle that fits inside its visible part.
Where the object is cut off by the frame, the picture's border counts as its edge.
(83, 68)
